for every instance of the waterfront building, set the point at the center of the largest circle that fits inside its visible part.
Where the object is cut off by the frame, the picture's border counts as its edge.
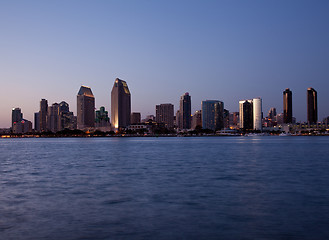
(85, 108)
(37, 121)
(120, 104)
(312, 106)
(257, 113)
(185, 111)
(67, 120)
(102, 119)
(212, 114)
(234, 120)
(177, 119)
(287, 106)
(53, 118)
(226, 118)
(271, 113)
(197, 119)
(246, 114)
(22, 126)
(165, 114)
(16, 116)
(135, 118)
(43, 115)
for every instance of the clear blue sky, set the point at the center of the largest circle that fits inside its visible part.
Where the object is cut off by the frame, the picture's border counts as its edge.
(224, 50)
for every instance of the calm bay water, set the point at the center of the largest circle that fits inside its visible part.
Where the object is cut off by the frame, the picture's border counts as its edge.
(165, 188)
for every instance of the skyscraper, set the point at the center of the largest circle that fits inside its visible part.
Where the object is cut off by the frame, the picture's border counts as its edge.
(16, 116)
(212, 114)
(246, 114)
(251, 114)
(185, 111)
(53, 118)
(43, 115)
(197, 120)
(312, 106)
(85, 108)
(165, 114)
(120, 104)
(287, 106)
(257, 113)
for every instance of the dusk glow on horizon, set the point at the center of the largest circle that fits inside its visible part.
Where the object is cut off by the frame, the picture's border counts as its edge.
(218, 50)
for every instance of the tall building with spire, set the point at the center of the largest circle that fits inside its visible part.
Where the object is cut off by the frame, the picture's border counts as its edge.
(85, 108)
(312, 106)
(185, 111)
(120, 104)
(287, 106)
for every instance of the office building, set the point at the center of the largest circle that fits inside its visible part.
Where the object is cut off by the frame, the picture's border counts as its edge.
(250, 114)
(85, 108)
(165, 114)
(22, 126)
(212, 114)
(246, 114)
(312, 106)
(257, 113)
(287, 106)
(102, 118)
(197, 120)
(185, 111)
(135, 118)
(271, 113)
(53, 118)
(37, 121)
(16, 116)
(43, 115)
(120, 104)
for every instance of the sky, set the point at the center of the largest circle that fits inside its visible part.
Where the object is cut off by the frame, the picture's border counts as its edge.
(215, 50)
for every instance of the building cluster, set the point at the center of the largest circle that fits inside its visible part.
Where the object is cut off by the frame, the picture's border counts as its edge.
(212, 115)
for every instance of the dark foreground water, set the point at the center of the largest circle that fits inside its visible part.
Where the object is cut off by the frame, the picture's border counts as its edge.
(165, 188)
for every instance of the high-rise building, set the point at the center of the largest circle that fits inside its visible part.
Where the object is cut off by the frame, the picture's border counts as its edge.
(271, 113)
(185, 111)
(43, 115)
(37, 121)
(85, 108)
(257, 113)
(246, 114)
(197, 120)
(102, 118)
(165, 114)
(53, 118)
(135, 118)
(312, 106)
(226, 118)
(212, 114)
(16, 116)
(120, 104)
(251, 114)
(287, 106)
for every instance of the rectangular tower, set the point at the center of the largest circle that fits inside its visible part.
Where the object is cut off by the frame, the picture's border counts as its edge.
(85, 108)
(312, 106)
(120, 104)
(165, 114)
(287, 106)
(212, 114)
(185, 111)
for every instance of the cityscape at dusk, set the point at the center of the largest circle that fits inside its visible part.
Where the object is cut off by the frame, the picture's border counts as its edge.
(219, 50)
(164, 119)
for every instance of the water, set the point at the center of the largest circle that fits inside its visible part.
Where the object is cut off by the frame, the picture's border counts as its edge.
(165, 188)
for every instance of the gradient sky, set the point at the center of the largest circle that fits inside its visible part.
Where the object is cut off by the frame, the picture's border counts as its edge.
(224, 50)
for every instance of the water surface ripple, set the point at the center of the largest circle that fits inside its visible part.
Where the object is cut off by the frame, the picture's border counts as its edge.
(165, 188)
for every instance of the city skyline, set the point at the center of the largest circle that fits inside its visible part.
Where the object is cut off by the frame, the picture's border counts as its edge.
(220, 50)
